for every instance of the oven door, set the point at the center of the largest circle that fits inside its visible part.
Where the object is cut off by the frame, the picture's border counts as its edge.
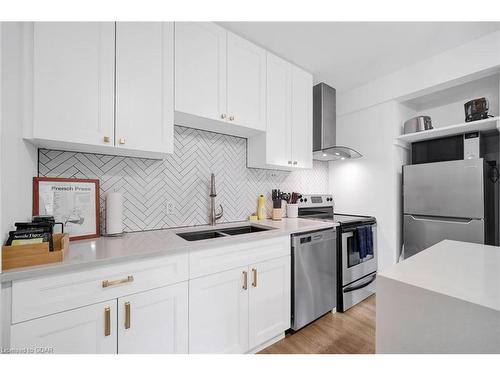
(354, 268)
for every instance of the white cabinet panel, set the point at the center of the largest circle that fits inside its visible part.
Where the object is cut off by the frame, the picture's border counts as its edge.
(287, 143)
(278, 111)
(155, 321)
(301, 126)
(79, 331)
(269, 300)
(145, 86)
(218, 313)
(246, 83)
(200, 69)
(33, 298)
(73, 82)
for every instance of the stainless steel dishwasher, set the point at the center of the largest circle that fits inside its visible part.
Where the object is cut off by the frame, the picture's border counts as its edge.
(314, 281)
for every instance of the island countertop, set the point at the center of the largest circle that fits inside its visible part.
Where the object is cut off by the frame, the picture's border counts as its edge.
(463, 270)
(139, 245)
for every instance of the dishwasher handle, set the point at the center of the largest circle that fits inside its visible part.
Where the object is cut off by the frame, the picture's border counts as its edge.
(313, 237)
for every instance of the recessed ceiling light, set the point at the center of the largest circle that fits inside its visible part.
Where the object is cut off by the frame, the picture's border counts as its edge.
(342, 158)
(325, 155)
(337, 154)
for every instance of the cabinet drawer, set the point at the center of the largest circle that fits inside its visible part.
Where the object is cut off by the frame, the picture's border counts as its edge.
(44, 296)
(224, 258)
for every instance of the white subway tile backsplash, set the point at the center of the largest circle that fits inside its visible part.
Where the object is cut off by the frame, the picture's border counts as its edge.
(183, 180)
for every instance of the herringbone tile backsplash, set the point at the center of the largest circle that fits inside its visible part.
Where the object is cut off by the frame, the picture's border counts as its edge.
(183, 179)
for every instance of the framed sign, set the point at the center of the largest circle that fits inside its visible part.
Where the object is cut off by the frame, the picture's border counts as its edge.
(72, 201)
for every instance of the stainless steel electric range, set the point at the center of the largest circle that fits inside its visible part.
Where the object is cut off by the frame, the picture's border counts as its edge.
(356, 273)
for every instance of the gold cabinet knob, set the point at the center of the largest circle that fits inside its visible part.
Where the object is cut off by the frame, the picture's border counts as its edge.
(289, 162)
(294, 163)
(231, 118)
(121, 141)
(107, 139)
(223, 116)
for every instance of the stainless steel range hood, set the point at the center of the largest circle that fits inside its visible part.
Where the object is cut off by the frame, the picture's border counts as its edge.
(325, 126)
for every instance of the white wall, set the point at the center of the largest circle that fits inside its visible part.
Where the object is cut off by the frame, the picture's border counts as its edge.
(18, 159)
(371, 185)
(447, 68)
(371, 116)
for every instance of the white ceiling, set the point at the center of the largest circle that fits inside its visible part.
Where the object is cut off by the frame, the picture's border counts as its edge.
(349, 54)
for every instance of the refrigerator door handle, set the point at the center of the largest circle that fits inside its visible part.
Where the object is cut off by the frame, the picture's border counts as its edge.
(443, 220)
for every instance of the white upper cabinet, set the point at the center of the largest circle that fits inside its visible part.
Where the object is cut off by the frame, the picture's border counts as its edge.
(220, 80)
(72, 68)
(246, 83)
(154, 322)
(287, 142)
(73, 82)
(200, 69)
(145, 86)
(301, 118)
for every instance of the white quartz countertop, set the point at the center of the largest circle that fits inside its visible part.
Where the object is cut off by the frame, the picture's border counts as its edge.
(109, 250)
(463, 270)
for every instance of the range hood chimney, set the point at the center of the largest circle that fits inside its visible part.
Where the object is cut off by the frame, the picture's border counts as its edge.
(325, 125)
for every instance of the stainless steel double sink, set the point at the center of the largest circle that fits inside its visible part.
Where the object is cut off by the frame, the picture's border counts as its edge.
(222, 232)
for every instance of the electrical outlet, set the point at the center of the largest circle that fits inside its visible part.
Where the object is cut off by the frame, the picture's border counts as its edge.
(170, 208)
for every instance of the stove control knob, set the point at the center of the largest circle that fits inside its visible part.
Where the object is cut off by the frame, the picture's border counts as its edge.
(301, 200)
(305, 199)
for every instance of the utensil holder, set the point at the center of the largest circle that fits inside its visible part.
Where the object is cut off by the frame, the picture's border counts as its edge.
(292, 210)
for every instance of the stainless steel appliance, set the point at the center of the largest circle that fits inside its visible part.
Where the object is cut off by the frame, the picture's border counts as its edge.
(325, 145)
(476, 109)
(417, 124)
(456, 147)
(355, 275)
(313, 276)
(447, 200)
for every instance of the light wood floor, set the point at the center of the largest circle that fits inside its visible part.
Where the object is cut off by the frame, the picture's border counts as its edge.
(352, 332)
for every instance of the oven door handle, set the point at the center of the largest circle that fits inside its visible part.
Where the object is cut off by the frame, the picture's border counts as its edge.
(353, 288)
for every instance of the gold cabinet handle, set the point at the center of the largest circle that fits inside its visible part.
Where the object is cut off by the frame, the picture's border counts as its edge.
(231, 118)
(254, 283)
(107, 283)
(107, 321)
(223, 116)
(294, 163)
(121, 141)
(107, 139)
(245, 280)
(290, 162)
(127, 315)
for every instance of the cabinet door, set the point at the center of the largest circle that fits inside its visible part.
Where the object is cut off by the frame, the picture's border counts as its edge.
(86, 330)
(73, 82)
(246, 83)
(302, 85)
(145, 86)
(200, 69)
(155, 321)
(269, 300)
(278, 132)
(218, 313)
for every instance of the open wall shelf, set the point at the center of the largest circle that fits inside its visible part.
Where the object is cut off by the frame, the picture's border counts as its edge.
(488, 124)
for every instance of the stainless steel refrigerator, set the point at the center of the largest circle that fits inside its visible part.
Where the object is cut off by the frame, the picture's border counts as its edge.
(446, 200)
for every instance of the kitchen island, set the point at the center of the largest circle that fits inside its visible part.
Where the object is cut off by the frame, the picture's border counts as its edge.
(445, 299)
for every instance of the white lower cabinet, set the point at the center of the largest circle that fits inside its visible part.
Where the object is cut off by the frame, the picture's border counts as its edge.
(218, 312)
(86, 330)
(155, 321)
(241, 309)
(269, 300)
